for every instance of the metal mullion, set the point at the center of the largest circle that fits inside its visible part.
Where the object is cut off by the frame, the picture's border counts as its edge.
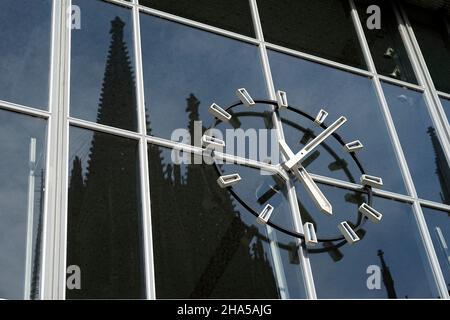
(196, 24)
(63, 154)
(53, 264)
(434, 205)
(319, 60)
(443, 94)
(143, 161)
(47, 244)
(401, 83)
(292, 195)
(4, 105)
(434, 105)
(120, 2)
(103, 128)
(359, 188)
(228, 158)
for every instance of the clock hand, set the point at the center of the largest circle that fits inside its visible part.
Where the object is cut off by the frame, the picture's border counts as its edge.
(293, 161)
(313, 190)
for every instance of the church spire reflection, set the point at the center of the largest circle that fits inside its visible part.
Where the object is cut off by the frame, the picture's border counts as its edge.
(387, 277)
(103, 228)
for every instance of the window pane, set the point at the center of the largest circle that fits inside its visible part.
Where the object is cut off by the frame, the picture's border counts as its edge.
(104, 228)
(386, 44)
(322, 28)
(186, 70)
(206, 245)
(22, 174)
(423, 151)
(446, 106)
(391, 250)
(25, 59)
(233, 15)
(311, 87)
(102, 75)
(439, 227)
(432, 30)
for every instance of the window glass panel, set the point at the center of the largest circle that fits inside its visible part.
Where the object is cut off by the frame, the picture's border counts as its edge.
(439, 226)
(432, 30)
(233, 15)
(423, 151)
(446, 106)
(186, 70)
(386, 44)
(207, 245)
(22, 175)
(102, 71)
(322, 28)
(104, 228)
(391, 249)
(311, 87)
(25, 59)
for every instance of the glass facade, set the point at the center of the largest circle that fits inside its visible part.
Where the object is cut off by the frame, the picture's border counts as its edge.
(110, 190)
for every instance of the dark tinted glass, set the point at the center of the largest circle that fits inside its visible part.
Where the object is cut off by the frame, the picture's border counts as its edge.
(25, 51)
(323, 28)
(432, 30)
(186, 70)
(22, 176)
(386, 45)
(104, 231)
(233, 15)
(207, 245)
(388, 262)
(311, 87)
(439, 226)
(423, 151)
(102, 68)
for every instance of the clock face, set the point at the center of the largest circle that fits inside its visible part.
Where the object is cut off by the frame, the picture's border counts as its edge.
(263, 191)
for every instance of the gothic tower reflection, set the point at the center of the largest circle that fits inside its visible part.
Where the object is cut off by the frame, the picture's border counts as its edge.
(103, 227)
(202, 247)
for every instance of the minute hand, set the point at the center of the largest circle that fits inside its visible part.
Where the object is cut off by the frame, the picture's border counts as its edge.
(314, 143)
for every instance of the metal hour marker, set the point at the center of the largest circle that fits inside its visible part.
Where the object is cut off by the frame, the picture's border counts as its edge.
(265, 214)
(370, 213)
(372, 181)
(245, 97)
(219, 113)
(348, 233)
(208, 141)
(321, 116)
(310, 233)
(228, 180)
(353, 146)
(282, 99)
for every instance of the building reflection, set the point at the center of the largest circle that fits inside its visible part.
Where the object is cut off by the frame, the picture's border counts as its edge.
(442, 167)
(202, 247)
(103, 220)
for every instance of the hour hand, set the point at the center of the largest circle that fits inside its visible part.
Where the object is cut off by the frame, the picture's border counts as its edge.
(313, 190)
(302, 175)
